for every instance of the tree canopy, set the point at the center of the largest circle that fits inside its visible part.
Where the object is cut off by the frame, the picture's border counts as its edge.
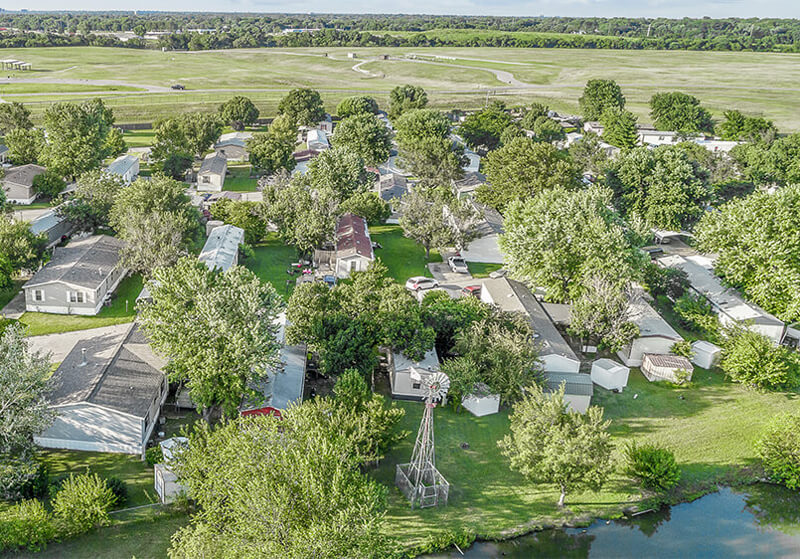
(14, 116)
(738, 126)
(91, 201)
(680, 112)
(24, 145)
(303, 106)
(365, 135)
(619, 127)
(192, 134)
(356, 105)
(484, 127)
(598, 96)
(405, 98)
(239, 111)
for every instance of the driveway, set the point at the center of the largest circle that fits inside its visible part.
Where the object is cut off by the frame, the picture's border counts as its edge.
(15, 307)
(59, 345)
(448, 280)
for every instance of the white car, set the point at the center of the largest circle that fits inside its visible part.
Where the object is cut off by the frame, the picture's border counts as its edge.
(501, 273)
(418, 283)
(458, 265)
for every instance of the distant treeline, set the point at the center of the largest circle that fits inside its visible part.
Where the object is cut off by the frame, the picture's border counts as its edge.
(197, 31)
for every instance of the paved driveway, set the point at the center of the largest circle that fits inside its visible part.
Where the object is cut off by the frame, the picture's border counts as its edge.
(448, 280)
(59, 345)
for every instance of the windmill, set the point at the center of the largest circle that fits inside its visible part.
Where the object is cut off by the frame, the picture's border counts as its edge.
(419, 480)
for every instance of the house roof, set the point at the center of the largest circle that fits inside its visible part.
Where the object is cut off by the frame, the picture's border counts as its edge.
(46, 221)
(668, 361)
(352, 237)
(214, 164)
(122, 164)
(120, 372)
(305, 154)
(23, 174)
(318, 136)
(430, 362)
(222, 247)
(728, 301)
(513, 296)
(650, 323)
(233, 139)
(85, 263)
(708, 347)
(471, 181)
(575, 384)
(285, 386)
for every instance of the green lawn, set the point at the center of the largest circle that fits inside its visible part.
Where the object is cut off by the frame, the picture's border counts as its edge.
(482, 269)
(239, 179)
(44, 323)
(22, 88)
(139, 138)
(40, 205)
(403, 257)
(711, 430)
(272, 259)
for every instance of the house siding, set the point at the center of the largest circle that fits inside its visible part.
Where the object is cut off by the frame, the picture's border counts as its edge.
(18, 193)
(85, 426)
(633, 354)
(56, 299)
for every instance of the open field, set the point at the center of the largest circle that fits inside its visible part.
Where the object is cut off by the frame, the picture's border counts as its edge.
(722, 80)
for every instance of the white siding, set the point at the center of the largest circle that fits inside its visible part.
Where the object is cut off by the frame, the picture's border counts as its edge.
(554, 363)
(633, 355)
(86, 426)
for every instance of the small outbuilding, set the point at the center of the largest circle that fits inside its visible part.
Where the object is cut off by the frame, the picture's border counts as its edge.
(609, 374)
(317, 140)
(165, 481)
(481, 401)
(578, 389)
(705, 354)
(406, 376)
(673, 368)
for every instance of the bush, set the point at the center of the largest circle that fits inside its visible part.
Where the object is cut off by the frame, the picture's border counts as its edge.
(48, 184)
(779, 450)
(26, 524)
(120, 490)
(682, 348)
(22, 478)
(83, 503)
(669, 282)
(752, 359)
(153, 455)
(694, 312)
(442, 541)
(654, 467)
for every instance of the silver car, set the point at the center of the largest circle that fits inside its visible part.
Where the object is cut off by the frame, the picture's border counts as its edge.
(458, 265)
(418, 283)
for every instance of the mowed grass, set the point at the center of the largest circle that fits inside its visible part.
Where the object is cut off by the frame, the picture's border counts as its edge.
(482, 269)
(270, 263)
(711, 426)
(556, 77)
(39, 324)
(139, 138)
(240, 180)
(22, 88)
(402, 256)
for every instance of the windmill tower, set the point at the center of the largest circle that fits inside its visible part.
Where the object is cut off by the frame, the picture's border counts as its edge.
(419, 480)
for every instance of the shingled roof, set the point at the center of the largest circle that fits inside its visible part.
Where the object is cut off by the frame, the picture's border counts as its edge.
(119, 372)
(215, 164)
(84, 263)
(352, 237)
(24, 174)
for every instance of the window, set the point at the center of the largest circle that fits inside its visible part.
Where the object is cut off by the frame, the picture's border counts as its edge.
(415, 386)
(38, 295)
(76, 297)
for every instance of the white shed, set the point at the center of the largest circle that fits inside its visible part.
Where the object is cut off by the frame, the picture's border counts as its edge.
(673, 368)
(317, 140)
(165, 481)
(481, 401)
(407, 375)
(705, 354)
(609, 374)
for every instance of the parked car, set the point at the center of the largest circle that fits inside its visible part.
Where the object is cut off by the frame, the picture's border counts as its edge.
(418, 283)
(178, 86)
(473, 290)
(458, 265)
(653, 251)
(501, 273)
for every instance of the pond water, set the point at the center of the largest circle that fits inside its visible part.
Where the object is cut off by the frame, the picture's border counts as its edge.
(757, 521)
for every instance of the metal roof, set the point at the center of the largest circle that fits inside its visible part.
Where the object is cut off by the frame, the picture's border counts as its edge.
(122, 164)
(85, 262)
(46, 221)
(650, 323)
(222, 247)
(430, 362)
(575, 384)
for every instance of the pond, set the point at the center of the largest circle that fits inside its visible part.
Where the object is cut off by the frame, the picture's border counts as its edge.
(756, 521)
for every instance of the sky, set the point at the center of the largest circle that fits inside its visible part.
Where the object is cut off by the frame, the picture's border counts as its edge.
(586, 8)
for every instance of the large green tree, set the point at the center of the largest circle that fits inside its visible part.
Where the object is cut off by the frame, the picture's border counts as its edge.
(755, 239)
(192, 134)
(558, 238)
(217, 329)
(421, 123)
(356, 105)
(588, 154)
(19, 246)
(599, 95)
(365, 135)
(523, 168)
(680, 112)
(754, 360)
(239, 111)
(484, 127)
(24, 145)
(13, 116)
(339, 170)
(619, 128)
(271, 152)
(405, 98)
(602, 313)
(92, 199)
(548, 444)
(768, 164)
(303, 106)
(436, 219)
(738, 126)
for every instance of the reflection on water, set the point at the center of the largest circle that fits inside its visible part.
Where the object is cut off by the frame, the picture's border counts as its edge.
(760, 521)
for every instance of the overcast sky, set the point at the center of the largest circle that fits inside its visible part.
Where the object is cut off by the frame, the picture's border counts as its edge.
(601, 8)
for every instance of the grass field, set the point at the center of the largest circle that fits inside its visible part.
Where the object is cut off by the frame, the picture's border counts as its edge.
(272, 259)
(722, 80)
(239, 179)
(44, 323)
(57, 88)
(403, 257)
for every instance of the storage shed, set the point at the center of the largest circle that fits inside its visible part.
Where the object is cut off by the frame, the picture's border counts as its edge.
(481, 401)
(406, 375)
(165, 481)
(674, 368)
(578, 389)
(609, 374)
(705, 354)
(655, 334)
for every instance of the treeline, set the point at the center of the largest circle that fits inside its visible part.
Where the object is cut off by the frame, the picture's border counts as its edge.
(265, 30)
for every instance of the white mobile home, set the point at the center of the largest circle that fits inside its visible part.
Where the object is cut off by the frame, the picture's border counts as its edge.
(211, 176)
(221, 250)
(655, 334)
(125, 166)
(18, 183)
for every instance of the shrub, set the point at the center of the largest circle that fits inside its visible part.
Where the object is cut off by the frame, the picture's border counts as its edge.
(153, 455)
(120, 490)
(682, 348)
(694, 312)
(669, 282)
(779, 450)
(83, 503)
(654, 467)
(22, 478)
(26, 524)
(442, 541)
(752, 359)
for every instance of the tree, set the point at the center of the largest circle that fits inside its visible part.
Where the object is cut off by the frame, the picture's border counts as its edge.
(243, 214)
(187, 134)
(434, 218)
(19, 245)
(14, 116)
(76, 137)
(619, 128)
(258, 462)
(599, 95)
(753, 359)
(522, 169)
(663, 186)
(750, 236)
(357, 105)
(737, 126)
(404, 98)
(339, 170)
(484, 127)
(239, 111)
(448, 316)
(602, 313)
(545, 129)
(779, 450)
(368, 205)
(680, 113)
(365, 135)
(175, 165)
(769, 164)
(273, 151)
(547, 444)
(435, 161)
(653, 466)
(418, 124)
(48, 184)
(588, 155)
(157, 221)
(82, 503)
(557, 239)
(532, 115)
(24, 144)
(303, 106)
(217, 329)
(115, 143)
